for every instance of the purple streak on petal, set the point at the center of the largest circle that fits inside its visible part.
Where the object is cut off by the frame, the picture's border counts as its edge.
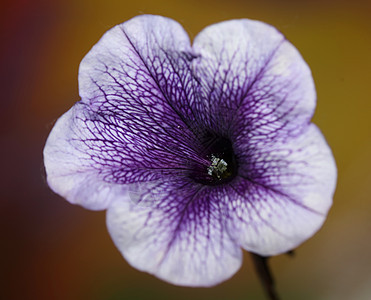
(140, 71)
(70, 167)
(255, 83)
(132, 124)
(89, 153)
(283, 194)
(180, 237)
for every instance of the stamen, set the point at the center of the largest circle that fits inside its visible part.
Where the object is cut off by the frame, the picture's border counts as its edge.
(221, 164)
(217, 168)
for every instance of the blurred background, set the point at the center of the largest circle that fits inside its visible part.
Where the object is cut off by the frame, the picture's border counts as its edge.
(54, 250)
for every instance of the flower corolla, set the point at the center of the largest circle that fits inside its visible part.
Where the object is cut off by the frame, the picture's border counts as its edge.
(195, 151)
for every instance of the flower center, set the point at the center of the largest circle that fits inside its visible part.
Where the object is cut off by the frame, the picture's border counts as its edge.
(218, 168)
(222, 164)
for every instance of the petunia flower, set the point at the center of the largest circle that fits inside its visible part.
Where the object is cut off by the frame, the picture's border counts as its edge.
(196, 151)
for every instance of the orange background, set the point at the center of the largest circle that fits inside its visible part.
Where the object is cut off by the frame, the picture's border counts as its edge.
(53, 250)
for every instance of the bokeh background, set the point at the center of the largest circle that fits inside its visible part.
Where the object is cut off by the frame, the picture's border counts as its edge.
(53, 250)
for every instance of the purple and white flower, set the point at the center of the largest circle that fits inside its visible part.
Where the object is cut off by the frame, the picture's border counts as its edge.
(196, 151)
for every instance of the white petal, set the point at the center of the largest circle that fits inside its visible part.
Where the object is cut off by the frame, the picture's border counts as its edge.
(285, 195)
(253, 80)
(181, 239)
(70, 168)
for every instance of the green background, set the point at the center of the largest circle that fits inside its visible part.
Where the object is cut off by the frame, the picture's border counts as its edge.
(53, 250)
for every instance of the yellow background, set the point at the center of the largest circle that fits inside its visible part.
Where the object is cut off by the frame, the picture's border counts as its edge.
(53, 250)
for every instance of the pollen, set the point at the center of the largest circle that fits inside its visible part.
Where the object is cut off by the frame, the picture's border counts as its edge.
(218, 168)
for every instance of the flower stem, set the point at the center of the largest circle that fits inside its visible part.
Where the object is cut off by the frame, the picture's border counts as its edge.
(265, 276)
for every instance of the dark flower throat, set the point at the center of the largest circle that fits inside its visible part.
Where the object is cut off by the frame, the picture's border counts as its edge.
(222, 166)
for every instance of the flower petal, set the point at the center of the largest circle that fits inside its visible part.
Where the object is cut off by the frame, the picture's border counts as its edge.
(135, 85)
(69, 163)
(253, 80)
(140, 70)
(90, 157)
(139, 77)
(180, 238)
(283, 194)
